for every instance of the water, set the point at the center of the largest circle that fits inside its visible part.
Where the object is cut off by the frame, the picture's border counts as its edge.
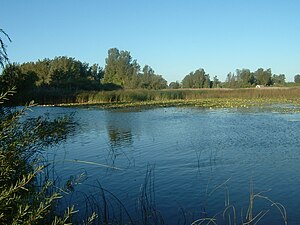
(198, 158)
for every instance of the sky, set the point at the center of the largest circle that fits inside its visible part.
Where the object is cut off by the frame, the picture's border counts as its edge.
(173, 37)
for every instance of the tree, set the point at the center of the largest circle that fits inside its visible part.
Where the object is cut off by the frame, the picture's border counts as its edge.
(96, 73)
(12, 77)
(245, 77)
(3, 52)
(187, 81)
(120, 69)
(64, 72)
(149, 80)
(263, 77)
(41, 68)
(297, 78)
(174, 85)
(158, 82)
(197, 79)
(278, 79)
(231, 80)
(216, 83)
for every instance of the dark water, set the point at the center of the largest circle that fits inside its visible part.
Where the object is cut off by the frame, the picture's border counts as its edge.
(198, 158)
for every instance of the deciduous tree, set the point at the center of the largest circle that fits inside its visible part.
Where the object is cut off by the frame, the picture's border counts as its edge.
(197, 79)
(297, 78)
(263, 77)
(278, 79)
(120, 69)
(174, 85)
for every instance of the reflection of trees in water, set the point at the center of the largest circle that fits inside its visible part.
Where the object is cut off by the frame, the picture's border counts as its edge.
(121, 130)
(119, 137)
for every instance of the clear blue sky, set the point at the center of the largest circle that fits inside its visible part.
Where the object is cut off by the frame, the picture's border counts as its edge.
(173, 37)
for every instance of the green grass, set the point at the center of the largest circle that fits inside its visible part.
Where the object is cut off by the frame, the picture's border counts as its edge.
(185, 94)
(206, 98)
(169, 97)
(266, 104)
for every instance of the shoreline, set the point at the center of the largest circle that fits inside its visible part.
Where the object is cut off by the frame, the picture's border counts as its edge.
(286, 105)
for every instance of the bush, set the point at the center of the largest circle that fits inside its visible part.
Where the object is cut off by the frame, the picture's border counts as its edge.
(23, 199)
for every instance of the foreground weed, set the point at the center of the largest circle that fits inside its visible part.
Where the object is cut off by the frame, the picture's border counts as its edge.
(23, 199)
(229, 214)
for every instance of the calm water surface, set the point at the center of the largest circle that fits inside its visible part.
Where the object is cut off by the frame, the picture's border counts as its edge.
(191, 153)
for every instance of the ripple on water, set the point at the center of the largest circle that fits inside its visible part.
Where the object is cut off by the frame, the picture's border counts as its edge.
(193, 152)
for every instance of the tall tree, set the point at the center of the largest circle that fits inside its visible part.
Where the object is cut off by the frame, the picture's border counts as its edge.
(61, 72)
(174, 85)
(12, 76)
(41, 68)
(230, 80)
(216, 83)
(187, 81)
(263, 77)
(245, 77)
(278, 80)
(297, 78)
(120, 69)
(96, 72)
(149, 80)
(197, 79)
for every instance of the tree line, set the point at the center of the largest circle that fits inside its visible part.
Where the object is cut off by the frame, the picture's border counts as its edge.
(242, 78)
(121, 70)
(66, 74)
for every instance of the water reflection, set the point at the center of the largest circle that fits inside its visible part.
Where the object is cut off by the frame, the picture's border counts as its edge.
(119, 137)
(195, 152)
(121, 130)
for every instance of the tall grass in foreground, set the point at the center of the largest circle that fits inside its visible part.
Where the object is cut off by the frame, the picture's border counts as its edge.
(111, 210)
(230, 215)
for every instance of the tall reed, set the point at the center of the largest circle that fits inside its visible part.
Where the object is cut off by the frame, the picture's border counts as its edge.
(186, 94)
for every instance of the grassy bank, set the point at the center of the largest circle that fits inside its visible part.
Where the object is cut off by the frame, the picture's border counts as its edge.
(205, 98)
(138, 96)
(186, 94)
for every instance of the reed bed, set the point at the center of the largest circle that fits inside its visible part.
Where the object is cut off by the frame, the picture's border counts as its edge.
(278, 99)
(109, 209)
(165, 97)
(186, 94)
